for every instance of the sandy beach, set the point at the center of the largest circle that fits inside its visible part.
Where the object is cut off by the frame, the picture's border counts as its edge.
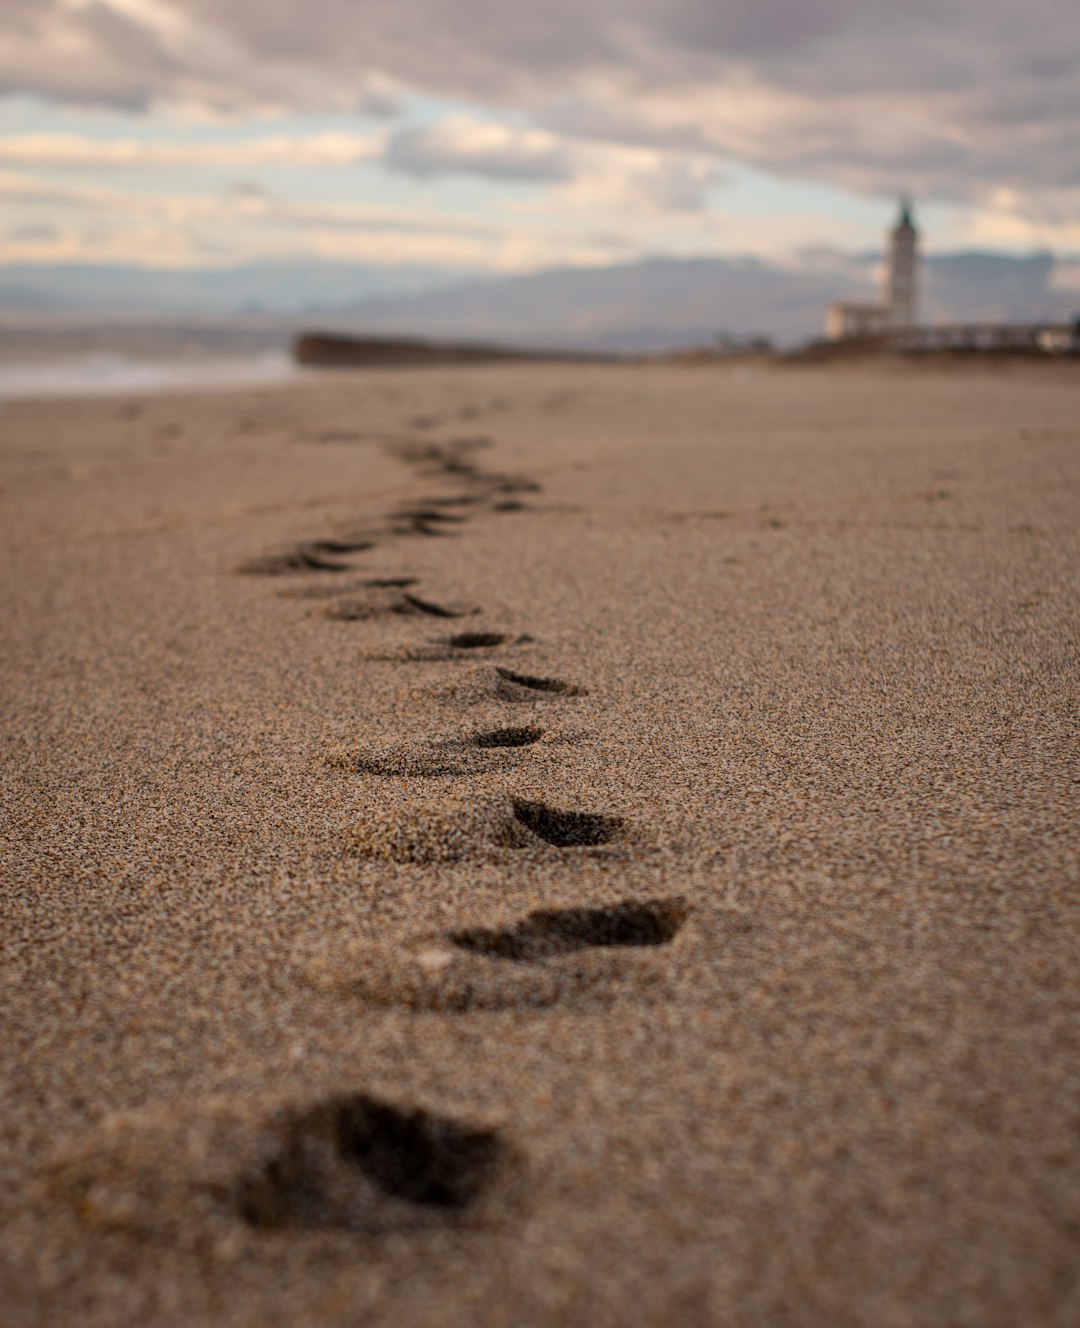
(543, 845)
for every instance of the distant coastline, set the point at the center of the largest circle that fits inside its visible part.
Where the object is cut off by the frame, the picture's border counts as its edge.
(337, 350)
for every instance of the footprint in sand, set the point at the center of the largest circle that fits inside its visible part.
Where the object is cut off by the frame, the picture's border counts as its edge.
(527, 687)
(546, 958)
(522, 736)
(452, 756)
(452, 830)
(452, 460)
(380, 601)
(479, 640)
(354, 1163)
(192, 1175)
(447, 648)
(302, 558)
(428, 520)
(336, 590)
(558, 931)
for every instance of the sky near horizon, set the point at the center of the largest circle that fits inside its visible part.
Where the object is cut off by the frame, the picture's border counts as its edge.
(484, 136)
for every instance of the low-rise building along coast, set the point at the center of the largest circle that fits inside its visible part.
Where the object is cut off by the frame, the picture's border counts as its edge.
(894, 320)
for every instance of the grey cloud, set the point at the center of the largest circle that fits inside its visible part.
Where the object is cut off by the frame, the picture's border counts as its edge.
(951, 98)
(32, 232)
(119, 62)
(438, 151)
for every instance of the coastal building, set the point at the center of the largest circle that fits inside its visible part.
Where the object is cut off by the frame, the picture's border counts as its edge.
(899, 305)
(903, 272)
(894, 320)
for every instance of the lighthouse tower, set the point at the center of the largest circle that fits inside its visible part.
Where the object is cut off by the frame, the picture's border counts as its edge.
(901, 294)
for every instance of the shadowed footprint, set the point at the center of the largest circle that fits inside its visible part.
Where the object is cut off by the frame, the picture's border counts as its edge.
(535, 684)
(430, 512)
(436, 610)
(423, 523)
(420, 760)
(354, 1163)
(335, 590)
(451, 829)
(519, 737)
(567, 829)
(446, 648)
(559, 931)
(387, 598)
(477, 640)
(190, 1174)
(453, 500)
(339, 546)
(549, 957)
(304, 558)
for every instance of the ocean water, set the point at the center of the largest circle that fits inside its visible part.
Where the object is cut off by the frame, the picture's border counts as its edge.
(109, 373)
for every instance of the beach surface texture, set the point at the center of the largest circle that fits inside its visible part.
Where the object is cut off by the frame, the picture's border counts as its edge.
(543, 845)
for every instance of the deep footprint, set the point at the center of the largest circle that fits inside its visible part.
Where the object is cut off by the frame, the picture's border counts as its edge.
(513, 737)
(477, 640)
(550, 932)
(429, 512)
(419, 525)
(567, 829)
(306, 558)
(342, 1159)
(535, 684)
(339, 546)
(436, 610)
(360, 608)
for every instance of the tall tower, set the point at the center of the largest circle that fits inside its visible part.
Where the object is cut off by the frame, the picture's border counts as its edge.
(901, 295)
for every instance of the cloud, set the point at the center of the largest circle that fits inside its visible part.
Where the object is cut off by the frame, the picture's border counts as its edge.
(102, 224)
(83, 152)
(949, 100)
(590, 175)
(133, 54)
(465, 146)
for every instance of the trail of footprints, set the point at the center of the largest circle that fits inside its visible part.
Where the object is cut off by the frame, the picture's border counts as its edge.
(354, 1162)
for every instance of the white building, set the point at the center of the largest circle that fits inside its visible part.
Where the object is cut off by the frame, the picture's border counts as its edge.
(899, 306)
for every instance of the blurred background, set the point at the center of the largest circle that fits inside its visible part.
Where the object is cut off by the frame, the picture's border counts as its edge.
(185, 183)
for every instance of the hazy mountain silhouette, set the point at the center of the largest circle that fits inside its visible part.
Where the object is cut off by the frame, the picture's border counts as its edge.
(655, 304)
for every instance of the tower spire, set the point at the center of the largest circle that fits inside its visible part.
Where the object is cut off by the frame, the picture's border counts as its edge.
(901, 290)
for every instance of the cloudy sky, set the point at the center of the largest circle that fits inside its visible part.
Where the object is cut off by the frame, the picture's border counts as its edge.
(484, 135)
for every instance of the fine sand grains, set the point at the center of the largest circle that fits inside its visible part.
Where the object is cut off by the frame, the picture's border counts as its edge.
(544, 846)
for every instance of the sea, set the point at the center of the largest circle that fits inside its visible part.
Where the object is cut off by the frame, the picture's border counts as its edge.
(78, 360)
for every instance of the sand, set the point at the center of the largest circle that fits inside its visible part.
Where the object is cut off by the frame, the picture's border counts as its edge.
(543, 846)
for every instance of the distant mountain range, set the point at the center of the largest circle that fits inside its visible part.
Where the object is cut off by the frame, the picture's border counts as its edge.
(651, 305)
(274, 289)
